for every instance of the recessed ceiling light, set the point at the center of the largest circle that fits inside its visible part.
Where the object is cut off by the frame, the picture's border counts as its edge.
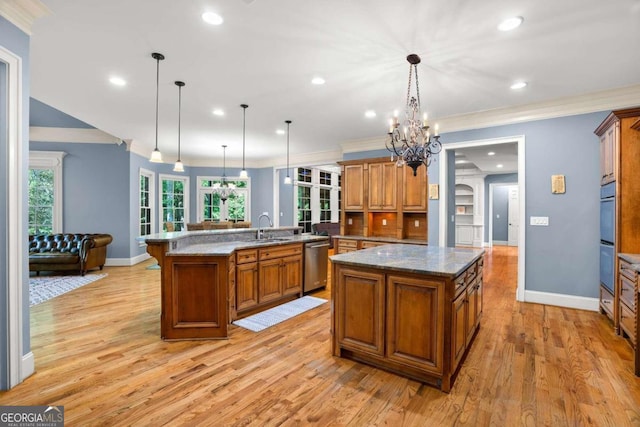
(491, 153)
(280, 131)
(518, 85)
(212, 18)
(317, 81)
(510, 23)
(499, 166)
(370, 114)
(117, 81)
(218, 112)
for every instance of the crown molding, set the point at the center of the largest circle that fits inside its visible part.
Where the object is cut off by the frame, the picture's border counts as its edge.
(73, 135)
(23, 13)
(305, 159)
(624, 97)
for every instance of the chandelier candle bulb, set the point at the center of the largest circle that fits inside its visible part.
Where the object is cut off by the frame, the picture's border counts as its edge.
(391, 125)
(425, 122)
(436, 129)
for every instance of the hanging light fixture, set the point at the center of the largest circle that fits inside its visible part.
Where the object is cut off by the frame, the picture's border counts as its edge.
(414, 144)
(243, 172)
(224, 189)
(156, 155)
(287, 179)
(179, 167)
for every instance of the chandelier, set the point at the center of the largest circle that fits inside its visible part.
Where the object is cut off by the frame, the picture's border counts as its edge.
(413, 144)
(223, 188)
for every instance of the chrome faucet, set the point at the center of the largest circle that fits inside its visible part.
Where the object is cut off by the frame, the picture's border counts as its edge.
(260, 230)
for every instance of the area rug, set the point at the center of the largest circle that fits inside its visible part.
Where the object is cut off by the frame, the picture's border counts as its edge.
(42, 289)
(275, 315)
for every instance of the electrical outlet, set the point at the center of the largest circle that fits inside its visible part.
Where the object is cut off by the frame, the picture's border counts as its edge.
(384, 222)
(539, 220)
(350, 221)
(417, 223)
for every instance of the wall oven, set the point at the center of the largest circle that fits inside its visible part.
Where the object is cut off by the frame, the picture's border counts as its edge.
(608, 236)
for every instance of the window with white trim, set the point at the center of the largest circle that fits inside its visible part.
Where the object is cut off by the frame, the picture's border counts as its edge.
(45, 192)
(212, 208)
(318, 197)
(146, 202)
(174, 201)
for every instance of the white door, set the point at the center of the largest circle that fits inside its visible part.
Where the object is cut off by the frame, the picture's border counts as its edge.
(514, 214)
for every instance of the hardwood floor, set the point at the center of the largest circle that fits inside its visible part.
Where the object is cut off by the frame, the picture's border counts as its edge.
(98, 353)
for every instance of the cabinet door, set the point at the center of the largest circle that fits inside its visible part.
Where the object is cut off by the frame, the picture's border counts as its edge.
(359, 316)
(270, 280)
(383, 183)
(292, 275)
(414, 189)
(246, 285)
(353, 187)
(473, 309)
(608, 154)
(458, 329)
(415, 322)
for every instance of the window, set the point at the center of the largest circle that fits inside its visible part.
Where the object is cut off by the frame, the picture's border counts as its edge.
(45, 191)
(304, 208)
(174, 200)
(147, 196)
(317, 199)
(212, 208)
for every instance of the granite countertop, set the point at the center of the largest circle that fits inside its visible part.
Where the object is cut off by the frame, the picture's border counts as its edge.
(432, 260)
(384, 239)
(633, 259)
(227, 248)
(177, 235)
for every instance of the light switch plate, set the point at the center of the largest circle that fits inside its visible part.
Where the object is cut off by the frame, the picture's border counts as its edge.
(384, 222)
(417, 223)
(540, 220)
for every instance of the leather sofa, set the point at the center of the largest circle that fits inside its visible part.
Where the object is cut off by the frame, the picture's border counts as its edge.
(65, 252)
(326, 229)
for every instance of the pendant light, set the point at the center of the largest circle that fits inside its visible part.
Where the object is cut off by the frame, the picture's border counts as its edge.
(243, 172)
(179, 167)
(156, 155)
(287, 179)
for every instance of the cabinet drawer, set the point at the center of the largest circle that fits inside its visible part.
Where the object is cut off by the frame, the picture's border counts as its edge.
(460, 282)
(368, 244)
(345, 246)
(628, 271)
(606, 302)
(272, 252)
(628, 322)
(247, 255)
(627, 289)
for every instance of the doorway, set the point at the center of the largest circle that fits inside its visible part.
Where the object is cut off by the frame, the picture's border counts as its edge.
(504, 214)
(446, 214)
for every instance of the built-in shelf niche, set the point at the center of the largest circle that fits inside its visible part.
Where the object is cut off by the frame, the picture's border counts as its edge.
(464, 204)
(383, 224)
(414, 226)
(354, 223)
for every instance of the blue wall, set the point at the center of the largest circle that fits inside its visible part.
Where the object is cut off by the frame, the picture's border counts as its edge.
(17, 42)
(41, 114)
(500, 213)
(261, 194)
(286, 200)
(494, 179)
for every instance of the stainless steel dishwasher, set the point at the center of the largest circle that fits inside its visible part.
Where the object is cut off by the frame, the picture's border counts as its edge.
(316, 259)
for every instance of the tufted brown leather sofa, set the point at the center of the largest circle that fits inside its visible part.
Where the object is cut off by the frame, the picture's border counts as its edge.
(62, 252)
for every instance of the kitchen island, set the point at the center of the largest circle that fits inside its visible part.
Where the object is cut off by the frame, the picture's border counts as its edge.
(210, 278)
(409, 309)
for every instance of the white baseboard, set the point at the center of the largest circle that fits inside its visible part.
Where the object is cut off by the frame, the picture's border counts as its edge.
(561, 300)
(28, 366)
(126, 262)
(500, 242)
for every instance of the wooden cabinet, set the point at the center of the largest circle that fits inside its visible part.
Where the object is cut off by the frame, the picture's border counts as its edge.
(246, 279)
(231, 296)
(383, 183)
(267, 276)
(619, 137)
(194, 297)
(414, 189)
(353, 187)
(381, 199)
(346, 245)
(628, 285)
(608, 154)
(417, 325)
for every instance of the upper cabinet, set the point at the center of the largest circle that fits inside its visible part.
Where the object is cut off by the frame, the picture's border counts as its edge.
(353, 187)
(383, 200)
(383, 184)
(608, 142)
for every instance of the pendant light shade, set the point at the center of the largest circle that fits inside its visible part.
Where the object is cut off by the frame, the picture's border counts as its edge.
(156, 155)
(243, 172)
(179, 167)
(287, 179)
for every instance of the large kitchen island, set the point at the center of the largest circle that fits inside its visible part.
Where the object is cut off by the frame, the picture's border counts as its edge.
(409, 309)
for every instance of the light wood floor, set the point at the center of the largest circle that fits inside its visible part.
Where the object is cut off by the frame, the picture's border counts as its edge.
(98, 353)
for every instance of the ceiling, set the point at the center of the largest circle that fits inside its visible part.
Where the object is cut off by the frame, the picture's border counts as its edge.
(266, 53)
(487, 159)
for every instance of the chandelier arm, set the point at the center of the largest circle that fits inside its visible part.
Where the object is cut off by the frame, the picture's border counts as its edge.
(409, 85)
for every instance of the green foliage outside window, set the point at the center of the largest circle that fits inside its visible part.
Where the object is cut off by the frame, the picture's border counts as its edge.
(41, 200)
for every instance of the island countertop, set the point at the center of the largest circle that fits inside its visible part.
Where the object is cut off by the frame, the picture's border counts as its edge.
(227, 248)
(431, 260)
